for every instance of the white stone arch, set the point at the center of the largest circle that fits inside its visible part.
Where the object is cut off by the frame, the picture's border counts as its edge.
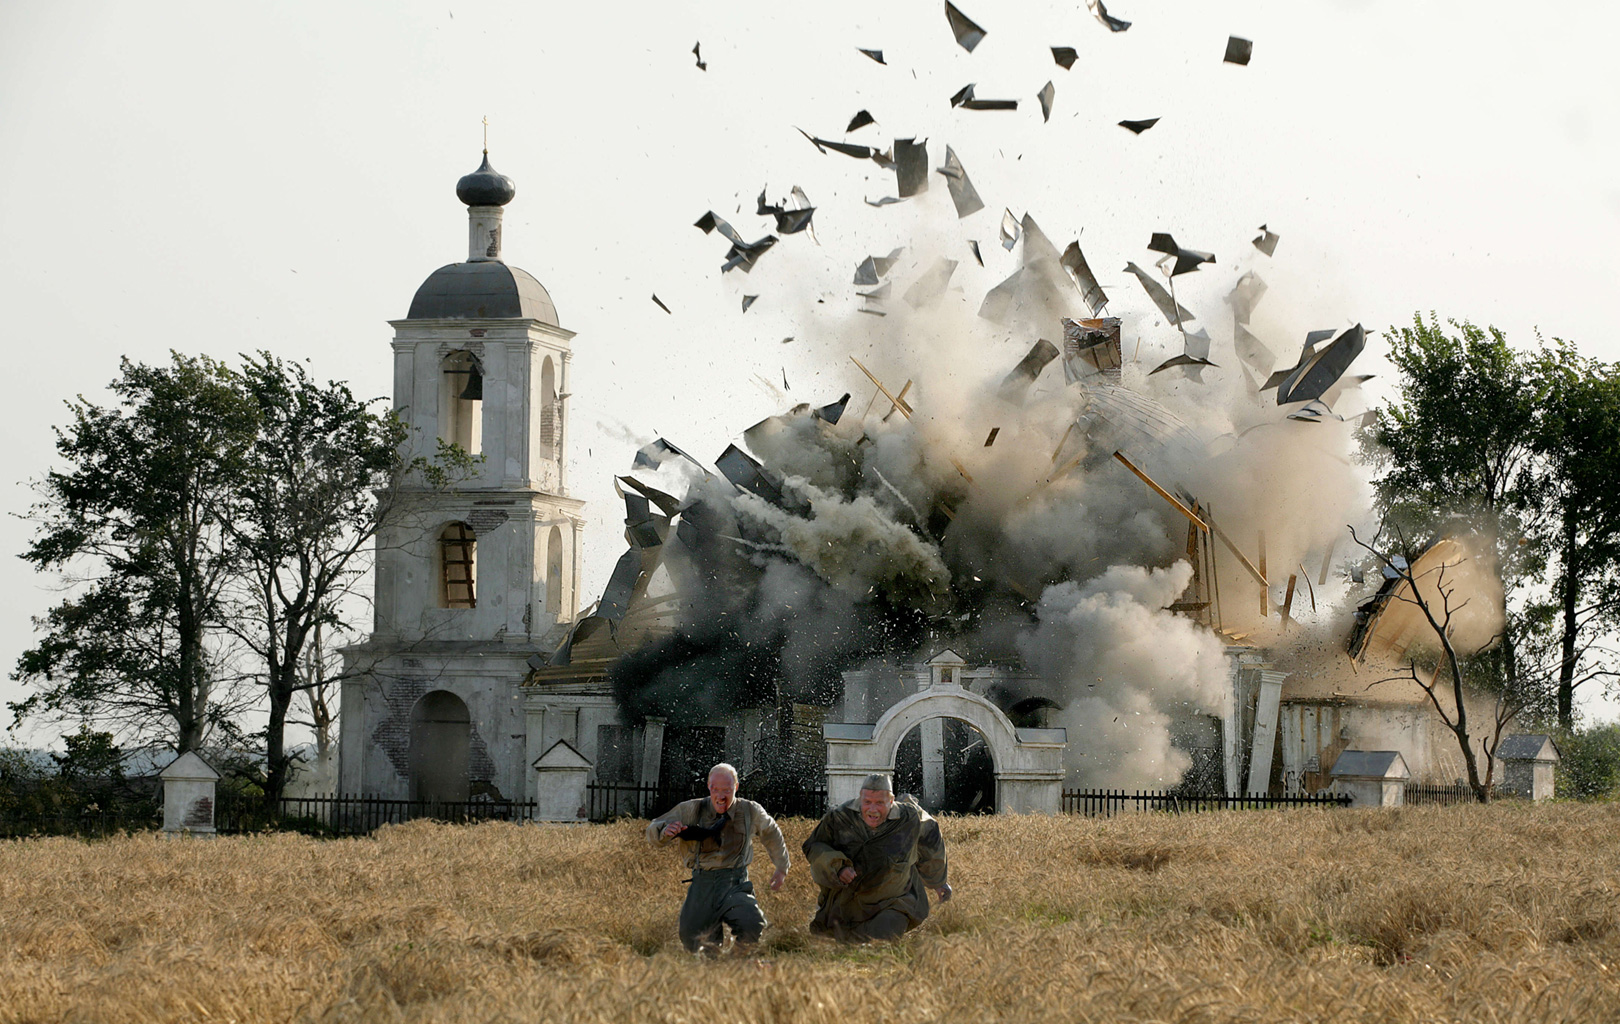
(1028, 762)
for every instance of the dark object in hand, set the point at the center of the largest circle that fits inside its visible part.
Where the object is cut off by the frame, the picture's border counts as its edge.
(698, 833)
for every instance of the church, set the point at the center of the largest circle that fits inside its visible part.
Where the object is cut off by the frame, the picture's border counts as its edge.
(481, 679)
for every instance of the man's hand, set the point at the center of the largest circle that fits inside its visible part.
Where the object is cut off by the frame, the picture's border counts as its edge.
(846, 876)
(777, 879)
(943, 892)
(674, 828)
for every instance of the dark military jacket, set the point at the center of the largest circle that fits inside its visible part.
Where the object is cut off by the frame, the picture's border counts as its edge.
(893, 864)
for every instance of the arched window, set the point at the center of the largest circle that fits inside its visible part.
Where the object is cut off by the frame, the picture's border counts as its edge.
(458, 567)
(461, 401)
(554, 572)
(548, 409)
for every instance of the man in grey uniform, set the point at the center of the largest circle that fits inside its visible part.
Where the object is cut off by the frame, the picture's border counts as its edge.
(716, 833)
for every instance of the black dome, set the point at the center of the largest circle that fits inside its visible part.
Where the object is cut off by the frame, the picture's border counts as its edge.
(488, 290)
(485, 186)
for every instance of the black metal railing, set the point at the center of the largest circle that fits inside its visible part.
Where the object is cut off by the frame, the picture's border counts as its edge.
(611, 800)
(1105, 803)
(1418, 793)
(350, 815)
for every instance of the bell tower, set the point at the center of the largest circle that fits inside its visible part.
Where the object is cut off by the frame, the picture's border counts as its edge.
(476, 574)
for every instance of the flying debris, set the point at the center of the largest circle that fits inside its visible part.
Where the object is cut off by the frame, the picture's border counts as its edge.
(885, 201)
(1138, 127)
(1316, 372)
(697, 52)
(973, 244)
(875, 299)
(1095, 342)
(1195, 366)
(1009, 230)
(911, 166)
(992, 438)
(965, 99)
(1045, 96)
(1023, 375)
(660, 302)
(968, 35)
(667, 503)
(832, 413)
(745, 255)
(927, 289)
(1252, 351)
(652, 455)
(1090, 291)
(1245, 295)
(788, 221)
(963, 194)
(1173, 311)
(1065, 56)
(1238, 50)
(1187, 260)
(1114, 24)
(742, 254)
(1267, 241)
(874, 268)
(858, 152)
(749, 300)
(876, 55)
(861, 119)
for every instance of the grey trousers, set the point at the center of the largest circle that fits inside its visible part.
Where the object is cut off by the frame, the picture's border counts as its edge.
(723, 896)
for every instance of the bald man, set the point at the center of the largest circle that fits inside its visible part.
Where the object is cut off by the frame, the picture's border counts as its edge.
(716, 834)
(873, 858)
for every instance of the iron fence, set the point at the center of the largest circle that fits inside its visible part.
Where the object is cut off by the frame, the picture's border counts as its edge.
(610, 800)
(1105, 803)
(1417, 793)
(93, 825)
(350, 815)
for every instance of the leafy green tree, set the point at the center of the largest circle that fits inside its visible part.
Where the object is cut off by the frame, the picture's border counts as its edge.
(312, 495)
(1578, 441)
(1589, 762)
(133, 524)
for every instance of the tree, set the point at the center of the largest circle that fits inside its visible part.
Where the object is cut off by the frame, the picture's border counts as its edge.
(1432, 579)
(1579, 443)
(311, 496)
(133, 523)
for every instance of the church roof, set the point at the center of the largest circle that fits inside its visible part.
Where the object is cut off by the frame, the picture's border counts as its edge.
(486, 290)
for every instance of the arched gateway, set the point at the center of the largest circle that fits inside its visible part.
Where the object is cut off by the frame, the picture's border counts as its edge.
(1029, 762)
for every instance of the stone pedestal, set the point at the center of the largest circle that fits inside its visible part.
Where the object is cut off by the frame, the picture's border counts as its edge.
(189, 785)
(562, 774)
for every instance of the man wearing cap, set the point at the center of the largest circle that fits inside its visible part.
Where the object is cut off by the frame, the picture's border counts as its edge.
(716, 834)
(873, 858)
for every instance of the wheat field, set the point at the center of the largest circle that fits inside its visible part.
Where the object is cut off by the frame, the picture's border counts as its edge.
(1505, 913)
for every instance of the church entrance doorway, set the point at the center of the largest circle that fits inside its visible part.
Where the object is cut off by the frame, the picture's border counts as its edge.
(441, 733)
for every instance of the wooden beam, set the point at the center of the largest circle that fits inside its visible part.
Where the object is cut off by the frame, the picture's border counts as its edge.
(1288, 600)
(1220, 534)
(905, 410)
(1265, 591)
(1327, 560)
(1161, 492)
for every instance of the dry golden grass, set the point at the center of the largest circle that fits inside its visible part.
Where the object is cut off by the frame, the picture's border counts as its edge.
(1492, 914)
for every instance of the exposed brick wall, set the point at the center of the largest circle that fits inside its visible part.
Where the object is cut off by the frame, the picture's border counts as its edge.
(393, 733)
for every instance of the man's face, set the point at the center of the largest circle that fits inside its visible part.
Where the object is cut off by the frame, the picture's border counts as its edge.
(875, 806)
(722, 791)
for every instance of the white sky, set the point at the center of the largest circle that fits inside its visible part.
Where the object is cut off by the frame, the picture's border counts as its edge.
(222, 178)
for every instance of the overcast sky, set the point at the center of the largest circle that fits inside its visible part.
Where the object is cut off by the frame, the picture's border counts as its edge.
(220, 178)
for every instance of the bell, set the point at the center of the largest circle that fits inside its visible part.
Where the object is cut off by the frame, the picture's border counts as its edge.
(474, 391)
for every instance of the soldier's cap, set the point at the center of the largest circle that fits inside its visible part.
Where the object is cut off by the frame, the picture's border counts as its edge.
(878, 784)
